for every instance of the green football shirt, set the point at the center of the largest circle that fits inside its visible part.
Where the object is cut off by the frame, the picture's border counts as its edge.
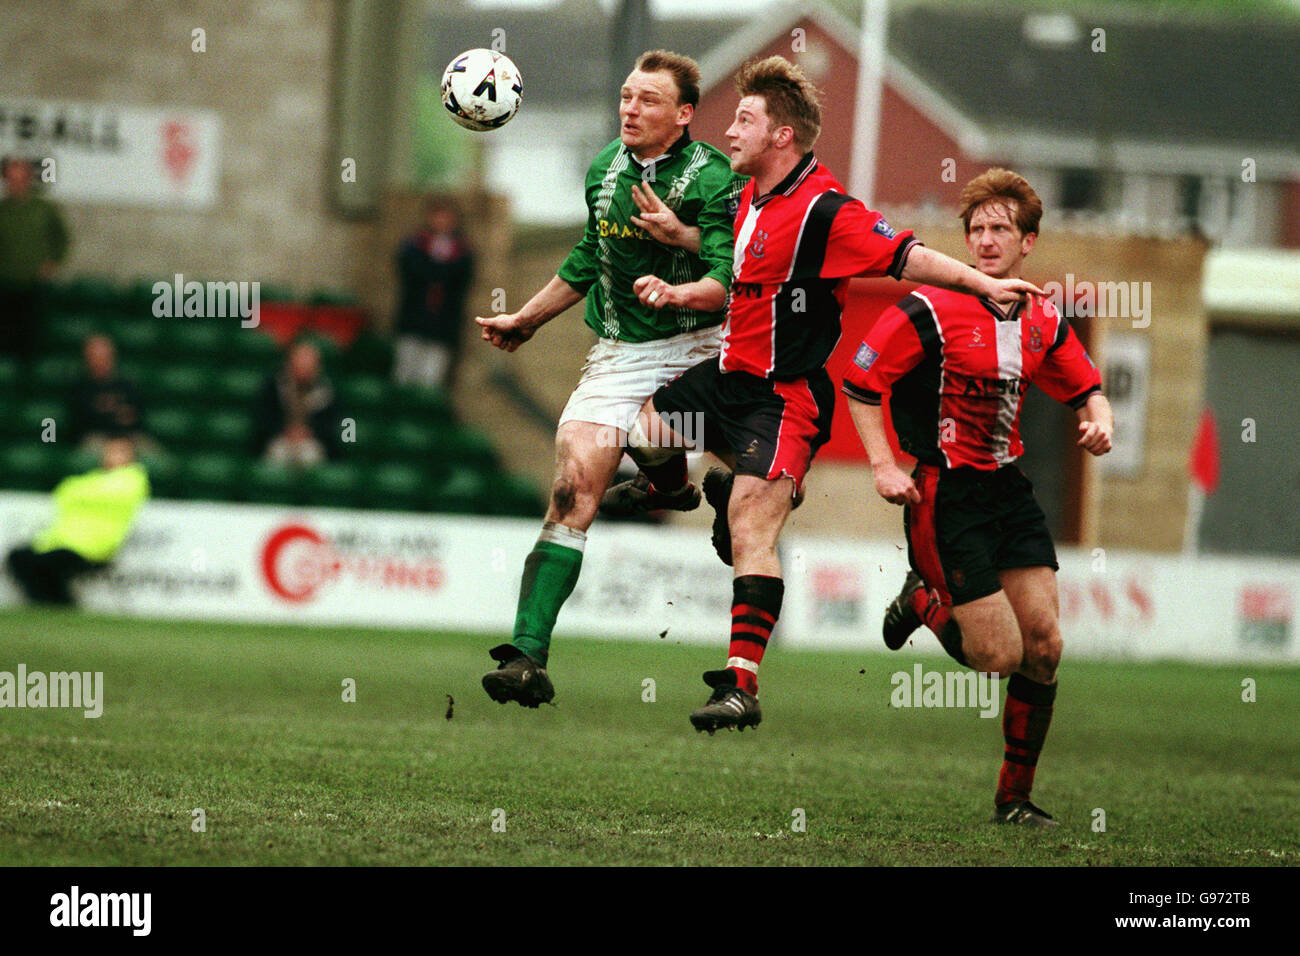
(695, 181)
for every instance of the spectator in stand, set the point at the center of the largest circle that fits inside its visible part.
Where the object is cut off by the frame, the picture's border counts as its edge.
(435, 267)
(299, 423)
(104, 405)
(33, 241)
(93, 515)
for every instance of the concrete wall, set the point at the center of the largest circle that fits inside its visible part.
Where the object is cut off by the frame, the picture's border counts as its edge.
(267, 73)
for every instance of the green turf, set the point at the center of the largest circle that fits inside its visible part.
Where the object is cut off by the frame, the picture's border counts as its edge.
(248, 723)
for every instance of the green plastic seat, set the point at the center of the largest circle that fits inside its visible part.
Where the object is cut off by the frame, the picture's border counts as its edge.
(56, 373)
(174, 427)
(513, 496)
(273, 484)
(238, 387)
(199, 341)
(228, 431)
(469, 447)
(32, 466)
(431, 404)
(184, 384)
(35, 416)
(253, 348)
(333, 485)
(11, 374)
(362, 395)
(370, 354)
(140, 337)
(212, 477)
(408, 441)
(465, 491)
(164, 470)
(66, 332)
(395, 487)
(92, 293)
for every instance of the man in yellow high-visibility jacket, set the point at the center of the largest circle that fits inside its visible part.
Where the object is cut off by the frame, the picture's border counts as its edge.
(94, 514)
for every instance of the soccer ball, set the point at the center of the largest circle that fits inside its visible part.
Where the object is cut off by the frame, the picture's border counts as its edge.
(482, 89)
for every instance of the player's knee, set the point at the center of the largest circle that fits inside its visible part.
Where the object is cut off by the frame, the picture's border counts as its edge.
(1043, 651)
(643, 449)
(1002, 658)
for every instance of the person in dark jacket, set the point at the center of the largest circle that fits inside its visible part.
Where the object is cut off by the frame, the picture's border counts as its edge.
(104, 405)
(435, 267)
(299, 424)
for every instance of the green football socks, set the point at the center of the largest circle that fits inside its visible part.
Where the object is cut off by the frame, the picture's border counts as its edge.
(550, 573)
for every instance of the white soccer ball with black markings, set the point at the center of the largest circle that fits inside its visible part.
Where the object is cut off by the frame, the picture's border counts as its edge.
(482, 89)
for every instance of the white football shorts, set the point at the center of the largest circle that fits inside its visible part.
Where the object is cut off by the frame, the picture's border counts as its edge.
(620, 376)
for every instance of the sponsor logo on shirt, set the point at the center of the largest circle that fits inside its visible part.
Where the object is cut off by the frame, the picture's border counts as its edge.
(614, 230)
(865, 357)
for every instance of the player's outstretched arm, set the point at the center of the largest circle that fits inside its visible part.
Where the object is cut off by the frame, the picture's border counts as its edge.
(661, 222)
(704, 295)
(892, 483)
(1096, 425)
(509, 330)
(926, 266)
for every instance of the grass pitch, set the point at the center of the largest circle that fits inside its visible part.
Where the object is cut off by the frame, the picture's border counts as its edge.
(248, 723)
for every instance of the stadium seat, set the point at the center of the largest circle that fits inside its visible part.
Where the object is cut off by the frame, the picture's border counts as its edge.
(228, 431)
(10, 408)
(429, 403)
(273, 484)
(11, 375)
(66, 331)
(465, 491)
(512, 496)
(34, 415)
(332, 485)
(32, 466)
(238, 387)
(469, 447)
(164, 470)
(138, 337)
(408, 441)
(212, 477)
(184, 384)
(361, 396)
(91, 293)
(253, 348)
(395, 487)
(199, 341)
(370, 354)
(56, 373)
(174, 428)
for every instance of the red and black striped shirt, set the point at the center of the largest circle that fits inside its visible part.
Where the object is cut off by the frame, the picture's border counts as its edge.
(957, 366)
(796, 248)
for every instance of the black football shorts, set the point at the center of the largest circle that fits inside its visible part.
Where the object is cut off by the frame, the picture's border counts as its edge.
(772, 427)
(970, 525)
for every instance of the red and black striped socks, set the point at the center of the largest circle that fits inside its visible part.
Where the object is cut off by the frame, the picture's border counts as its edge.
(1025, 719)
(937, 616)
(755, 606)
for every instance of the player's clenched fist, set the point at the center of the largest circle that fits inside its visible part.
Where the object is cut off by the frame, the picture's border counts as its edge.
(896, 487)
(507, 331)
(1094, 437)
(655, 292)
